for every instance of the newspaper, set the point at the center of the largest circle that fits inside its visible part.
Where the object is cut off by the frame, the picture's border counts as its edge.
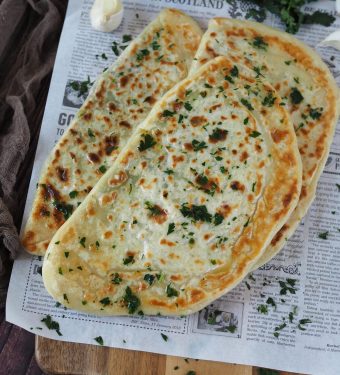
(286, 315)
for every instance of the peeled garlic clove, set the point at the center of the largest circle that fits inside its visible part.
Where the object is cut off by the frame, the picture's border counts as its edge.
(106, 15)
(332, 40)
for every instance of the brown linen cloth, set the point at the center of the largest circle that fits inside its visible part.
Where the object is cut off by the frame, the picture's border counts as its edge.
(29, 35)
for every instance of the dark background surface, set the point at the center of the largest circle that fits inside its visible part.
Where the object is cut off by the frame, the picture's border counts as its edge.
(18, 33)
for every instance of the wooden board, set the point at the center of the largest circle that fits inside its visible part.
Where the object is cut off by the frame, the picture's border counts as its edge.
(57, 357)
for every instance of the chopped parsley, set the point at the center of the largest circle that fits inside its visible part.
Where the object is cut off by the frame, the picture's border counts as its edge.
(73, 194)
(90, 133)
(102, 169)
(187, 106)
(82, 87)
(315, 113)
(259, 43)
(131, 301)
(246, 121)
(66, 298)
(234, 71)
(271, 302)
(262, 309)
(51, 324)
(269, 100)
(229, 79)
(66, 253)
(149, 278)
(126, 38)
(82, 241)
(296, 96)
(169, 171)
(64, 208)
(218, 134)
(324, 235)
(116, 279)
(247, 104)
(148, 142)
(164, 337)
(287, 286)
(105, 301)
(218, 218)
(155, 46)
(279, 328)
(302, 323)
(99, 340)
(142, 53)
(254, 134)
(171, 228)
(197, 145)
(171, 292)
(338, 186)
(128, 260)
(197, 213)
(206, 85)
(167, 113)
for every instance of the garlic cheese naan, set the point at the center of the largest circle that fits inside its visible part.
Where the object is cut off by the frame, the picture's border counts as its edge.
(123, 96)
(305, 84)
(188, 206)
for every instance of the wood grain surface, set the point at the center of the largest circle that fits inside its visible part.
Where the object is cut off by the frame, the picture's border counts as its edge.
(56, 357)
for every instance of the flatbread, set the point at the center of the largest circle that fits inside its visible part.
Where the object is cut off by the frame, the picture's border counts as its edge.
(188, 206)
(122, 98)
(304, 82)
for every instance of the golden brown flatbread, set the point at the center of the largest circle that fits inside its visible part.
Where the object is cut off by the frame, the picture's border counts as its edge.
(188, 206)
(305, 84)
(123, 96)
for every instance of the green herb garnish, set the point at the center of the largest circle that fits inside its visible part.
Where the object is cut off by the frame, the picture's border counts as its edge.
(254, 134)
(324, 235)
(148, 142)
(131, 301)
(128, 260)
(105, 301)
(247, 104)
(51, 324)
(102, 169)
(73, 194)
(116, 279)
(82, 241)
(171, 292)
(269, 100)
(164, 337)
(197, 213)
(259, 43)
(171, 228)
(99, 340)
(149, 278)
(296, 96)
(65, 209)
(197, 145)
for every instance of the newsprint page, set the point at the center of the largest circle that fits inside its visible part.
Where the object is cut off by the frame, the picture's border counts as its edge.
(286, 315)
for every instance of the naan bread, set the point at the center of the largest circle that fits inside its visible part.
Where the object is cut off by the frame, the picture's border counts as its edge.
(123, 96)
(304, 82)
(189, 204)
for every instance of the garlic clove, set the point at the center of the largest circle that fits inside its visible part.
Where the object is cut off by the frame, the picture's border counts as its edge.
(106, 15)
(332, 40)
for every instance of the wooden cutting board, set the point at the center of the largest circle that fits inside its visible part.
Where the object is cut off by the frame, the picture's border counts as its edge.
(57, 357)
